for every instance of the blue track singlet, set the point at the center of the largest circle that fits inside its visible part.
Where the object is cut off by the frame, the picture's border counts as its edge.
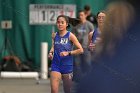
(96, 34)
(62, 64)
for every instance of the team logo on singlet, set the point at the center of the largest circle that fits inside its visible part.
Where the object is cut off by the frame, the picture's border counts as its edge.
(64, 40)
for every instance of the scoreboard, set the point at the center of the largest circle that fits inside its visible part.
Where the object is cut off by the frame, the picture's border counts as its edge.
(41, 14)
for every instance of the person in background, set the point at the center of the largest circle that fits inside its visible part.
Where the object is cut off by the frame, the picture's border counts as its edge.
(82, 61)
(116, 66)
(94, 36)
(61, 55)
(90, 16)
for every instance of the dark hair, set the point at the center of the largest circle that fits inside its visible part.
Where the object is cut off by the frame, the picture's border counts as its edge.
(65, 17)
(100, 12)
(82, 11)
(69, 20)
(86, 7)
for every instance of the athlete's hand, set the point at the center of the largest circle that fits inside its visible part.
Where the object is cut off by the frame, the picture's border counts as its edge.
(92, 47)
(65, 53)
(50, 56)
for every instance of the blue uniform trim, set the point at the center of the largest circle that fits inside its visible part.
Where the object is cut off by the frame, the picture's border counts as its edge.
(95, 35)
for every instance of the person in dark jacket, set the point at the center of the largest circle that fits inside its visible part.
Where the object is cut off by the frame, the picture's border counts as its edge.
(90, 16)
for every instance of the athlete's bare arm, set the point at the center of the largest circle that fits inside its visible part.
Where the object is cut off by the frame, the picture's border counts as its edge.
(75, 41)
(52, 48)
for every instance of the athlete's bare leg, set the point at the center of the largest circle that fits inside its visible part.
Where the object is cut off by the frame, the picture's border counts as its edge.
(55, 80)
(67, 82)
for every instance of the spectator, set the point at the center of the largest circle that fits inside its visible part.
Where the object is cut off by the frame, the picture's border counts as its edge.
(90, 16)
(82, 62)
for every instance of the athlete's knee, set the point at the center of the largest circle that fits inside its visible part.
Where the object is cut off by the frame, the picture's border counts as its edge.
(54, 86)
(54, 90)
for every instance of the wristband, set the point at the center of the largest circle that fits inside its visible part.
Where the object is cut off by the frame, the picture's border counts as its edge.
(69, 53)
